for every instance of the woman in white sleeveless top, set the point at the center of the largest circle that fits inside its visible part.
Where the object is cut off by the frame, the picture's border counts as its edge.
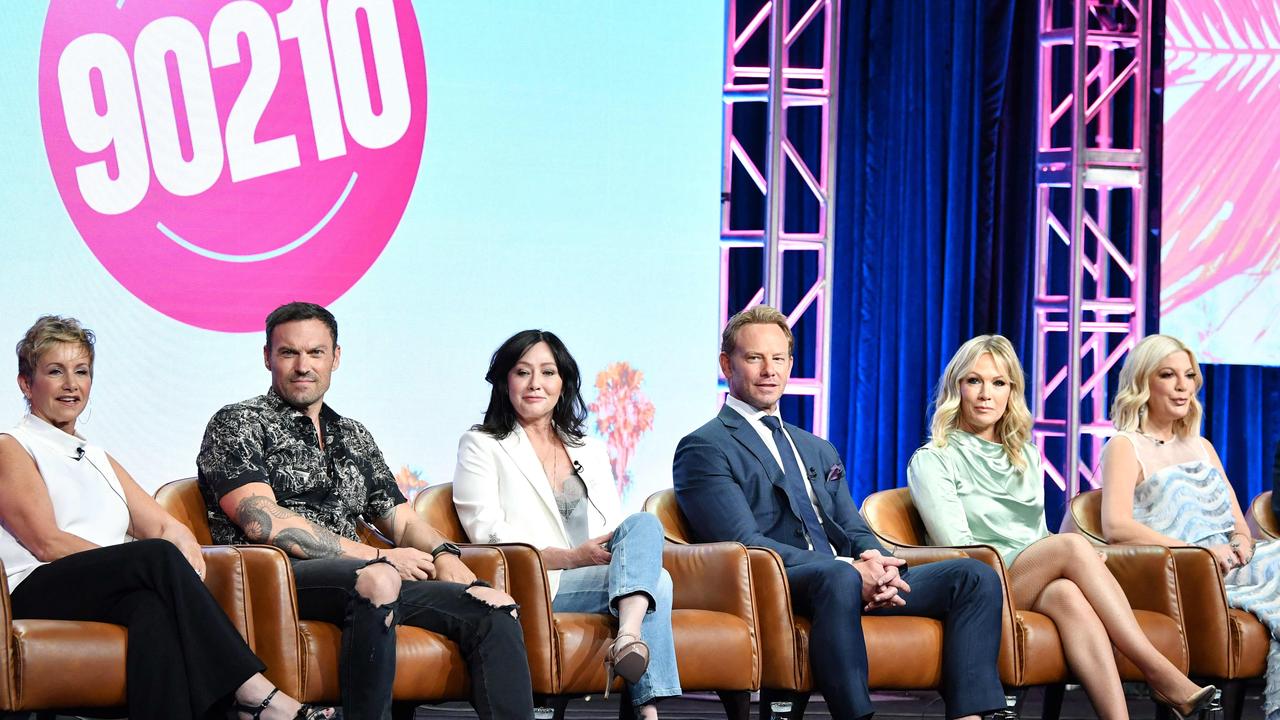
(1163, 484)
(68, 511)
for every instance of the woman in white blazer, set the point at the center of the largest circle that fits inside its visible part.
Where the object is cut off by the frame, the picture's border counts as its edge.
(530, 474)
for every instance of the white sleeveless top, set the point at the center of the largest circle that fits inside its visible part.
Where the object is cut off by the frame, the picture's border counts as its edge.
(88, 500)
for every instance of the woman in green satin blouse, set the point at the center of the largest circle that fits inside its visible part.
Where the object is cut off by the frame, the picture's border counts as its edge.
(978, 481)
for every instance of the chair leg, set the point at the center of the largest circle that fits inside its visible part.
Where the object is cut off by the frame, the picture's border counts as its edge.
(784, 698)
(626, 708)
(403, 710)
(1053, 695)
(737, 704)
(1233, 699)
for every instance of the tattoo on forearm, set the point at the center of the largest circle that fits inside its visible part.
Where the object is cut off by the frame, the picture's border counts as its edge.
(306, 545)
(255, 514)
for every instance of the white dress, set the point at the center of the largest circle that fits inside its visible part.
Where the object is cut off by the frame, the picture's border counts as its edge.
(1185, 496)
(88, 500)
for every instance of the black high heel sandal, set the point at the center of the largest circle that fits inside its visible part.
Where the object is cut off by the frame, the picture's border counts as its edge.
(306, 712)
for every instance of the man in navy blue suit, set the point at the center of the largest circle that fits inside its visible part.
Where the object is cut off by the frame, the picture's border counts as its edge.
(749, 477)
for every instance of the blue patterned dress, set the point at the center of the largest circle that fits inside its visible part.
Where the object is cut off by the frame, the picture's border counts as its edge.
(1185, 496)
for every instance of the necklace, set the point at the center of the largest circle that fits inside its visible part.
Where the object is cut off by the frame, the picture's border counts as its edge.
(1153, 438)
(554, 475)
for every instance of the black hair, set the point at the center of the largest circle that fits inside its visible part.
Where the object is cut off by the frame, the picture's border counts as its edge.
(570, 413)
(295, 311)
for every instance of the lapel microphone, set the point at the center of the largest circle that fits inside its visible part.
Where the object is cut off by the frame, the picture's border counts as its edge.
(577, 467)
(79, 454)
(813, 474)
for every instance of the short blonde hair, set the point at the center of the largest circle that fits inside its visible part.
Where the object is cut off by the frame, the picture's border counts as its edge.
(1014, 427)
(755, 315)
(1130, 405)
(48, 331)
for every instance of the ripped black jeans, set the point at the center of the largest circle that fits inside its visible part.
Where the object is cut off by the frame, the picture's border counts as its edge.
(489, 638)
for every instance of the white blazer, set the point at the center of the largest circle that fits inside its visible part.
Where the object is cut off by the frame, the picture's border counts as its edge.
(502, 493)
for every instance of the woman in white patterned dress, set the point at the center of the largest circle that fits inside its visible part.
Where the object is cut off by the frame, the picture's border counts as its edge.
(1163, 484)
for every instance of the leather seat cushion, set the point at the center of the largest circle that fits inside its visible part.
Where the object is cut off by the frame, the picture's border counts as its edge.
(713, 650)
(54, 657)
(904, 653)
(428, 667)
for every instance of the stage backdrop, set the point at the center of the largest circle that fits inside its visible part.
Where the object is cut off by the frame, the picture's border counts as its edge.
(440, 175)
(1220, 249)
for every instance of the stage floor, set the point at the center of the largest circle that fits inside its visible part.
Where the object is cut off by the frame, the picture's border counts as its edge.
(1076, 706)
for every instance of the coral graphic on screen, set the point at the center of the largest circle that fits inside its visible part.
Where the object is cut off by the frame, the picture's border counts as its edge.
(1220, 254)
(623, 413)
(410, 482)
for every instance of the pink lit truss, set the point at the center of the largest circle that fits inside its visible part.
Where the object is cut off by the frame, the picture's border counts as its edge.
(791, 91)
(1220, 251)
(1090, 196)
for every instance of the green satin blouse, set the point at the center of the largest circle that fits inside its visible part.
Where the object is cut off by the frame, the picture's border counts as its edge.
(969, 493)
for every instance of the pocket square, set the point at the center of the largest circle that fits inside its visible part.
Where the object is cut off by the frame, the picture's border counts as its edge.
(835, 473)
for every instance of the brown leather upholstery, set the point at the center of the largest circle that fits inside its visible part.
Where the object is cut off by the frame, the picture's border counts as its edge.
(1262, 518)
(1224, 642)
(61, 665)
(713, 616)
(302, 655)
(1031, 648)
(905, 653)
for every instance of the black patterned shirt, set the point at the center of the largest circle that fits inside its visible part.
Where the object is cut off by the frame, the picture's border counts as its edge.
(266, 440)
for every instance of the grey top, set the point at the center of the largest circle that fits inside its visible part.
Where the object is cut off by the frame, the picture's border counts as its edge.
(571, 502)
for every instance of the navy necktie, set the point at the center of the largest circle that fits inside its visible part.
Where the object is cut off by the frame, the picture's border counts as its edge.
(795, 483)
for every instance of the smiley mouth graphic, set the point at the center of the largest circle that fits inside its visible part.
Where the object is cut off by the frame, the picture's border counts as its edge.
(269, 254)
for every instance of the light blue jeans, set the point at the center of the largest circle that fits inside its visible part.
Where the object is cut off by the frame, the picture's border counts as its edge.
(636, 567)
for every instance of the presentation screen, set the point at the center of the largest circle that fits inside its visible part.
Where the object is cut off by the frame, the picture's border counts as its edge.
(439, 175)
(1220, 252)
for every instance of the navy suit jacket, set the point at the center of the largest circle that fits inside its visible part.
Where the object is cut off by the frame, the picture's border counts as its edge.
(730, 488)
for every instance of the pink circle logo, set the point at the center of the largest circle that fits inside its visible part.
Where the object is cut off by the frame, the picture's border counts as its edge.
(223, 158)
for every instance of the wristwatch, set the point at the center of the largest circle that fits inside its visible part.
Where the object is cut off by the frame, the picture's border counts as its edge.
(446, 547)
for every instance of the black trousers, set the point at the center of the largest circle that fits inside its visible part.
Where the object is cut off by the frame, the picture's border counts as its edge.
(964, 594)
(185, 658)
(489, 638)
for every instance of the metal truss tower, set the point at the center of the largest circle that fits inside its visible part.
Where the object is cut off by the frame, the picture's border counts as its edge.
(1091, 210)
(778, 182)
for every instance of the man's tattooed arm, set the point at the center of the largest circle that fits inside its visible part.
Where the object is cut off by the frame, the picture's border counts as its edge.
(265, 522)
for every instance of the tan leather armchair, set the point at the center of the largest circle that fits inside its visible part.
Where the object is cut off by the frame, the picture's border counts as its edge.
(1262, 518)
(1031, 648)
(1228, 646)
(79, 667)
(713, 618)
(904, 653)
(302, 655)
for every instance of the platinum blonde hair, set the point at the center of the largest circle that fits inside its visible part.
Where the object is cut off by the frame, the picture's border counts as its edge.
(1013, 429)
(1130, 405)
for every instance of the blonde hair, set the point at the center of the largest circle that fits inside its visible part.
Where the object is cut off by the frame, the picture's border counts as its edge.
(1130, 405)
(756, 315)
(47, 332)
(1013, 429)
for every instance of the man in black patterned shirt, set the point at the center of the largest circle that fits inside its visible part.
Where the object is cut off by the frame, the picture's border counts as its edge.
(285, 469)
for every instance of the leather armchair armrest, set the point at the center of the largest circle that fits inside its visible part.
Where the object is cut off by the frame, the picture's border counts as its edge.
(775, 623)
(488, 564)
(1146, 574)
(527, 584)
(711, 576)
(8, 700)
(1204, 608)
(921, 555)
(270, 602)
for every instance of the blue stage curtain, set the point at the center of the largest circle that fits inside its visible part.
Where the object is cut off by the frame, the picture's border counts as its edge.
(934, 235)
(1242, 420)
